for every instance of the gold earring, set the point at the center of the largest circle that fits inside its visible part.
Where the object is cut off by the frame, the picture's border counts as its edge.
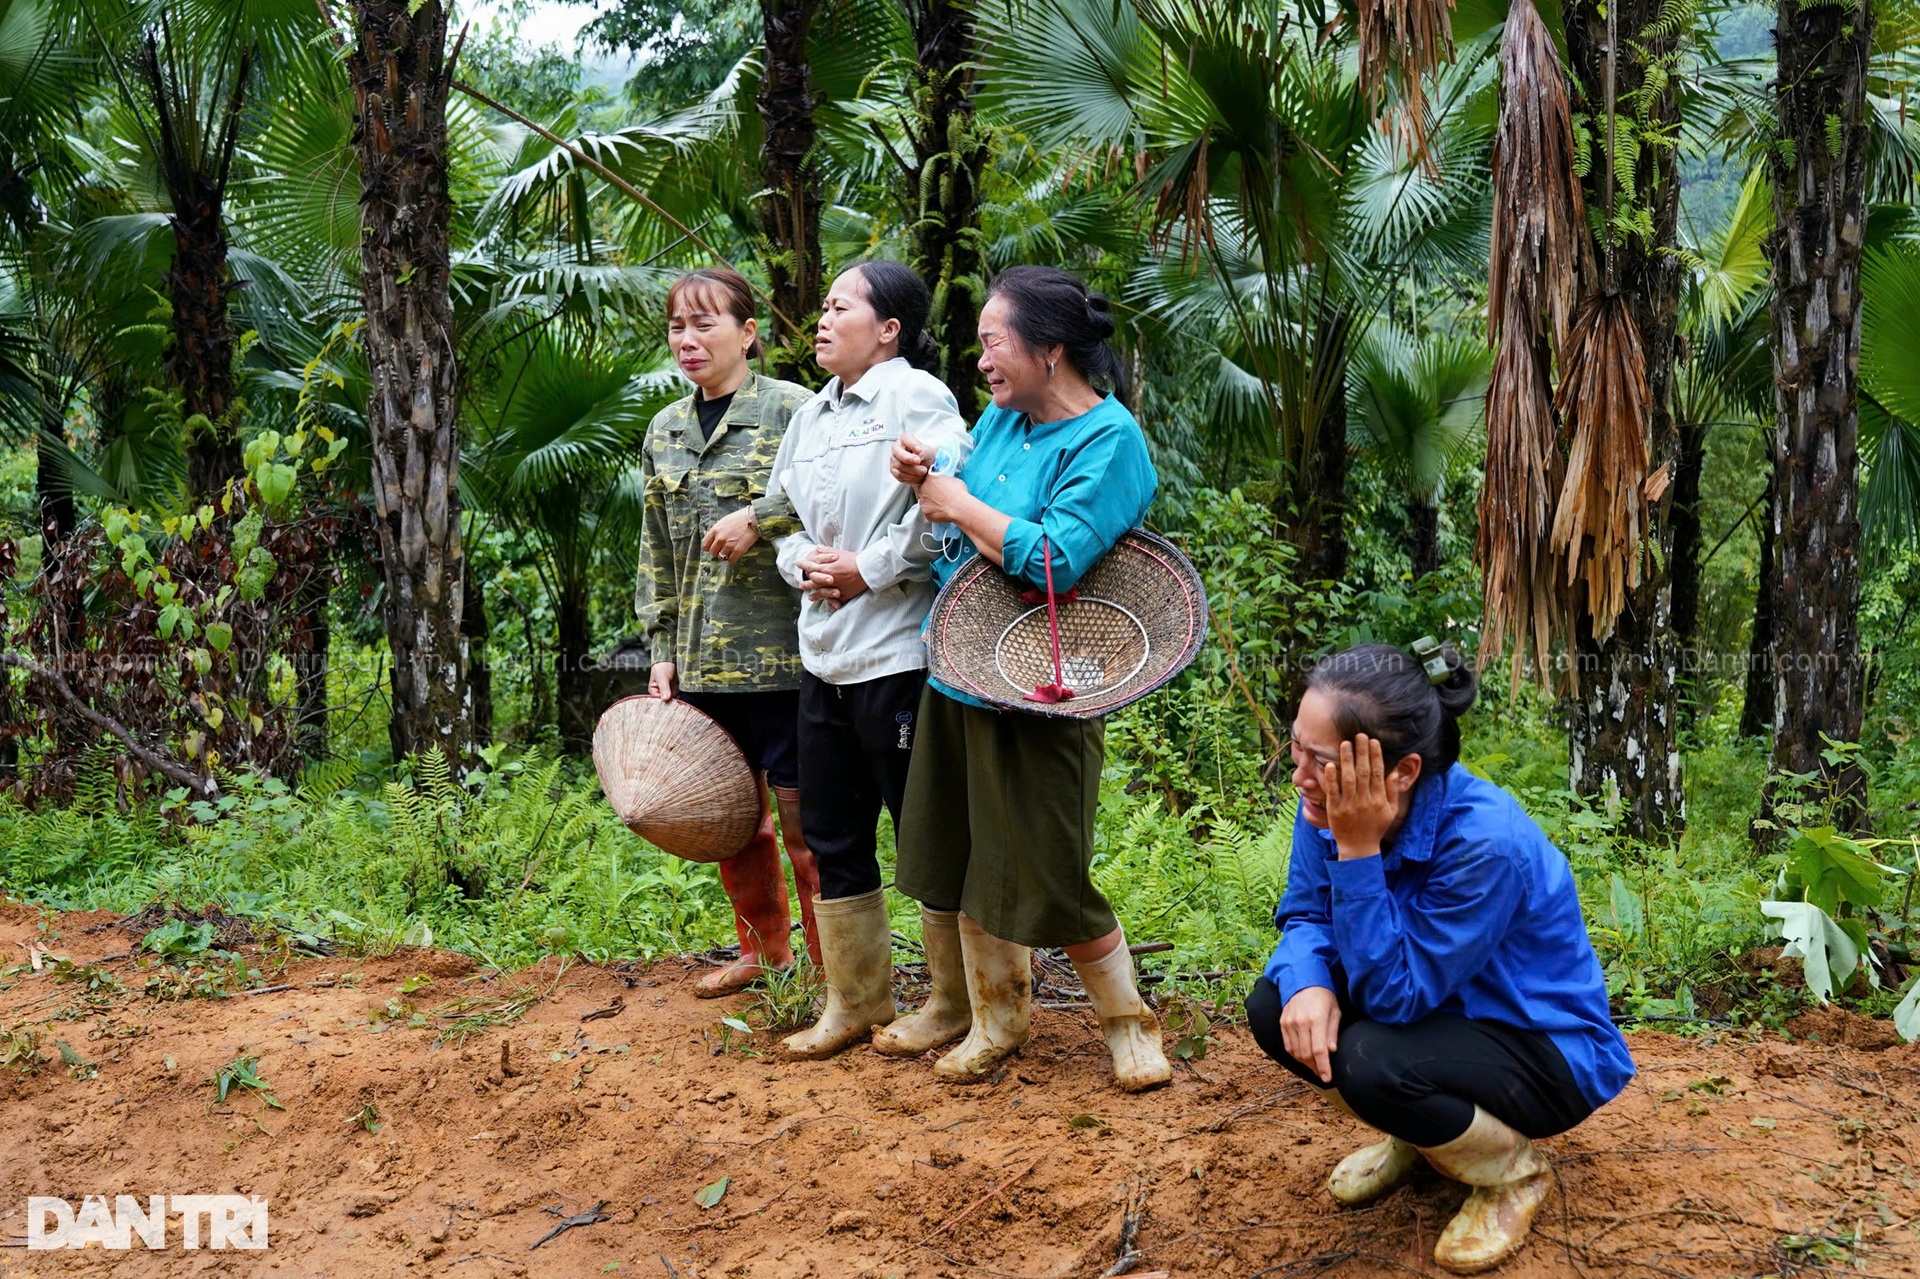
(1050, 364)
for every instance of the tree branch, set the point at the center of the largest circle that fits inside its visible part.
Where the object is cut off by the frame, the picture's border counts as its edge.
(205, 787)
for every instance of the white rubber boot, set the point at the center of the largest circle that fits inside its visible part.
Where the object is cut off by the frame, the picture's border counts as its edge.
(1000, 993)
(856, 943)
(1133, 1032)
(946, 1015)
(1510, 1181)
(1370, 1171)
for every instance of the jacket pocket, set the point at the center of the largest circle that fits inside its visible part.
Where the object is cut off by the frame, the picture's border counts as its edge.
(737, 486)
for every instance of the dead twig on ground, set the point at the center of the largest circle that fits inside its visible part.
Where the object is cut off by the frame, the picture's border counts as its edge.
(587, 1218)
(970, 1209)
(1131, 1213)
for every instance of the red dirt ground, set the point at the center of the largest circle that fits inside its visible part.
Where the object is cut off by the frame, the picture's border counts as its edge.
(1726, 1156)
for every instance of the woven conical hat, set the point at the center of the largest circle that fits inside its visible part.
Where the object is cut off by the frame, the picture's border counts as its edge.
(676, 778)
(1138, 618)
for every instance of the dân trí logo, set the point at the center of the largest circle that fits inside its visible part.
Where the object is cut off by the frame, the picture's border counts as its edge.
(205, 1221)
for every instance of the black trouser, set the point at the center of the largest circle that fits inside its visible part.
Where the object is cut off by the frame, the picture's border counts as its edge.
(855, 743)
(1420, 1082)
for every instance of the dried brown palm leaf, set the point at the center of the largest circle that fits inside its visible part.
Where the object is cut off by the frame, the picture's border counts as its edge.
(1541, 250)
(1541, 254)
(1523, 600)
(1600, 525)
(1407, 38)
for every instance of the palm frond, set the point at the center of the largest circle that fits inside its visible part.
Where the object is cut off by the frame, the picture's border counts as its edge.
(1602, 517)
(1404, 41)
(1734, 262)
(1890, 328)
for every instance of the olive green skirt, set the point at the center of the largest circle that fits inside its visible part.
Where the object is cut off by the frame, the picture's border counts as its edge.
(998, 820)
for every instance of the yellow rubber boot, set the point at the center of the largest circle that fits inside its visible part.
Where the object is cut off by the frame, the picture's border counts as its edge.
(1000, 993)
(946, 1015)
(1370, 1171)
(857, 944)
(1133, 1032)
(1510, 1181)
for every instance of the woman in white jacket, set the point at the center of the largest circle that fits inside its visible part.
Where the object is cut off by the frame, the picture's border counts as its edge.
(863, 561)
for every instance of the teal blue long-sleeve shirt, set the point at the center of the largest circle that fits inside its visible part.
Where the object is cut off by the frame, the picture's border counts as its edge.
(1073, 487)
(1469, 910)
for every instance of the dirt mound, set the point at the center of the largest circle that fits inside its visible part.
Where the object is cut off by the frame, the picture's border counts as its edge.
(443, 1126)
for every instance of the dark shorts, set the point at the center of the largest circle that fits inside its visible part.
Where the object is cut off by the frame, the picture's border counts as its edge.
(765, 725)
(999, 818)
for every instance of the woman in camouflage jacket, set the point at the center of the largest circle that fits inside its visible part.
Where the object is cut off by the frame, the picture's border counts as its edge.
(722, 624)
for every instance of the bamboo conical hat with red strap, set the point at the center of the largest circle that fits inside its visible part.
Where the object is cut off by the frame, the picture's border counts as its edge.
(1135, 620)
(676, 778)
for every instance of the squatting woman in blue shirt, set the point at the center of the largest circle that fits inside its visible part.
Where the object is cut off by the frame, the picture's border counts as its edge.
(996, 838)
(1434, 976)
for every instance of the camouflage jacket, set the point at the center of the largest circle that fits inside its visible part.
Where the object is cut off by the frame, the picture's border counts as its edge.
(727, 627)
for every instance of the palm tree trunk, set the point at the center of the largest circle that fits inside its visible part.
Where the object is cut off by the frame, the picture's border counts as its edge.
(1819, 214)
(401, 74)
(1756, 713)
(1685, 522)
(476, 629)
(313, 637)
(790, 211)
(1423, 536)
(573, 644)
(58, 514)
(943, 197)
(201, 358)
(1624, 726)
(1321, 532)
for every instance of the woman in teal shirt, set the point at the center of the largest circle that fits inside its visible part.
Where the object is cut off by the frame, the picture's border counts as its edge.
(996, 839)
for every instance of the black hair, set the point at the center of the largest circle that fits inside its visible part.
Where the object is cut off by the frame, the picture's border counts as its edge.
(1051, 307)
(895, 291)
(1383, 691)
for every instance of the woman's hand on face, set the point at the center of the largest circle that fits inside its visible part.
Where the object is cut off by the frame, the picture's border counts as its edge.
(1310, 1028)
(832, 576)
(661, 681)
(1360, 807)
(733, 536)
(911, 461)
(941, 497)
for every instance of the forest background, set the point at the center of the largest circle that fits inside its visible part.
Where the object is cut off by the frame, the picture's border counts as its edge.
(328, 335)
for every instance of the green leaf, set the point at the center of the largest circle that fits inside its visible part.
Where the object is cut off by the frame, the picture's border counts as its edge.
(1818, 942)
(1835, 869)
(1628, 915)
(219, 634)
(1906, 1018)
(275, 482)
(712, 1194)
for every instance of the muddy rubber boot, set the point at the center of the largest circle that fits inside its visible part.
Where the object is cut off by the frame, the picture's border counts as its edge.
(946, 1015)
(858, 943)
(1370, 1171)
(1510, 1181)
(1133, 1032)
(806, 871)
(1000, 995)
(758, 892)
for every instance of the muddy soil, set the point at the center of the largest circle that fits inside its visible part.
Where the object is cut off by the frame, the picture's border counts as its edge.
(402, 1152)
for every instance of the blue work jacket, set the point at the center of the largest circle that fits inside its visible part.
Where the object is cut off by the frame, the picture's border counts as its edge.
(1468, 910)
(1072, 486)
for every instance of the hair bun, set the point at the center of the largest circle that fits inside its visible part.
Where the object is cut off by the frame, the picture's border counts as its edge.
(1100, 313)
(1461, 687)
(925, 354)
